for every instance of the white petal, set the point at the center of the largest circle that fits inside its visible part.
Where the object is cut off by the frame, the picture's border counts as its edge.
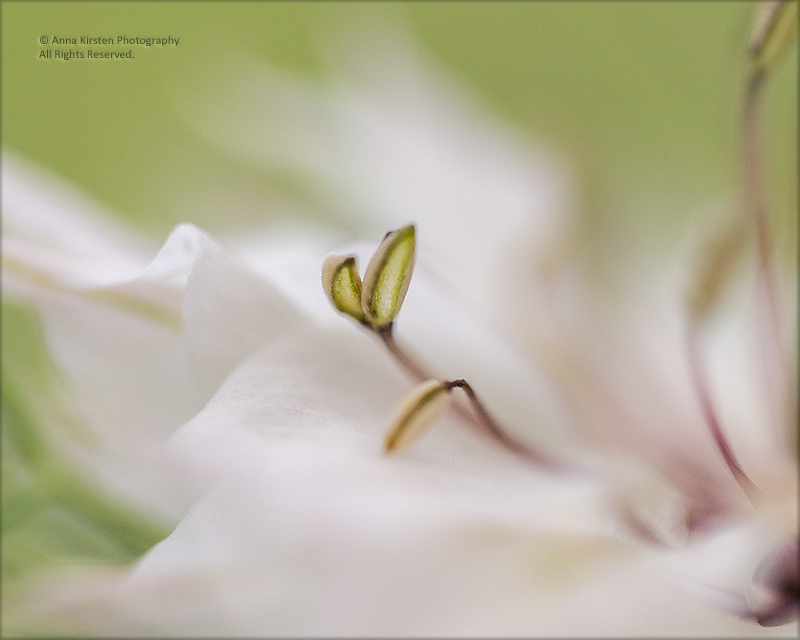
(309, 529)
(140, 347)
(49, 225)
(228, 312)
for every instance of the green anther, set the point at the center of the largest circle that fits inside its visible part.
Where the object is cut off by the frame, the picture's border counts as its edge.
(388, 276)
(342, 285)
(774, 30)
(415, 413)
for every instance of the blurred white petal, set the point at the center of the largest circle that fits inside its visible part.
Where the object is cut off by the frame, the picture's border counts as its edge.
(309, 529)
(141, 345)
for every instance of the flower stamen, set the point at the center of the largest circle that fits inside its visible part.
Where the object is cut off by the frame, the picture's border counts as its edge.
(700, 381)
(775, 29)
(488, 423)
(381, 295)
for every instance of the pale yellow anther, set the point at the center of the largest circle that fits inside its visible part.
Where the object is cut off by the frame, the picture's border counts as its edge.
(716, 266)
(342, 285)
(387, 277)
(416, 412)
(774, 30)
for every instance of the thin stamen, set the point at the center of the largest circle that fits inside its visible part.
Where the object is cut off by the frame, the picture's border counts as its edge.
(757, 203)
(765, 282)
(700, 380)
(416, 370)
(490, 425)
(479, 416)
(404, 359)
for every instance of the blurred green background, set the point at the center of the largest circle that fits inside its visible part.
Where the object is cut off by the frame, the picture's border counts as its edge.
(643, 98)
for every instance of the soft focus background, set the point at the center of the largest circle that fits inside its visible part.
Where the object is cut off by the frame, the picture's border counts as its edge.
(642, 100)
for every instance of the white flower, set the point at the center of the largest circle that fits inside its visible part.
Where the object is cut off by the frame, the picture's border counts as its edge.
(226, 395)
